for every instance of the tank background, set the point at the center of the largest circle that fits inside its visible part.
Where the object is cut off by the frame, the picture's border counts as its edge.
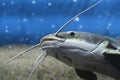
(27, 21)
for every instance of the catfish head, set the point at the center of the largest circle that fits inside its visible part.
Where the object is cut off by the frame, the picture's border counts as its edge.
(68, 47)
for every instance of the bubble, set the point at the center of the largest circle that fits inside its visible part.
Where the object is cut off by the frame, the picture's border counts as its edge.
(74, 0)
(33, 2)
(109, 24)
(3, 4)
(6, 31)
(99, 16)
(25, 20)
(53, 26)
(98, 21)
(49, 4)
(6, 26)
(18, 20)
(41, 20)
(108, 27)
(33, 14)
(80, 27)
(12, 2)
(77, 19)
(26, 38)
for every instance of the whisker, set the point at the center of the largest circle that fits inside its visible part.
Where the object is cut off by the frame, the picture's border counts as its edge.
(68, 22)
(45, 47)
(37, 59)
(37, 63)
(21, 53)
(41, 52)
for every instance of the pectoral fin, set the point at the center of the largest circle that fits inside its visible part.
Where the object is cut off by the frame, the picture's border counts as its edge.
(114, 59)
(85, 74)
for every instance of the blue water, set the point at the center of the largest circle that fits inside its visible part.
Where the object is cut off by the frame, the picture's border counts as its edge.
(27, 21)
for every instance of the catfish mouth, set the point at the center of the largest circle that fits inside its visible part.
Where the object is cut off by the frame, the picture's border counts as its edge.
(51, 38)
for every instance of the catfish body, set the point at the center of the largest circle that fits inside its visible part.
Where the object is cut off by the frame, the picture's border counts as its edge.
(86, 51)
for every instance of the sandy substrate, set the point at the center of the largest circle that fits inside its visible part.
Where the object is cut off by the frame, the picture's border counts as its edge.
(20, 68)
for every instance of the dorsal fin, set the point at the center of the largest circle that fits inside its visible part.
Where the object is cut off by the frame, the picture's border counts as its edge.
(114, 59)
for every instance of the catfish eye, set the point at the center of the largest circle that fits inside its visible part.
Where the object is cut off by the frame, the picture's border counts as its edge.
(72, 33)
